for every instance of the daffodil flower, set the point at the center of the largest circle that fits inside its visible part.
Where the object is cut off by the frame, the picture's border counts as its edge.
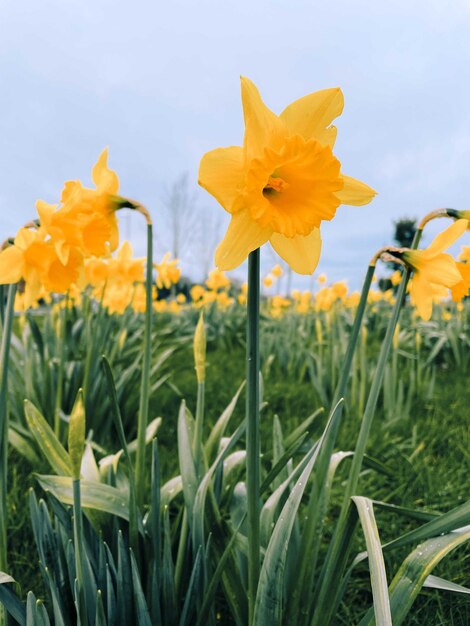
(433, 271)
(87, 217)
(283, 182)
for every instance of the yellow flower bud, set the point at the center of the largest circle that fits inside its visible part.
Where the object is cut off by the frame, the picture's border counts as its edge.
(76, 438)
(200, 350)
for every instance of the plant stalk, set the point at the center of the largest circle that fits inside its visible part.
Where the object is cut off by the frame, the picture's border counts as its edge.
(145, 381)
(252, 428)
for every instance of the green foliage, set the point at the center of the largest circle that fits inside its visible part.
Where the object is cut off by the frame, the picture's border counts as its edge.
(189, 561)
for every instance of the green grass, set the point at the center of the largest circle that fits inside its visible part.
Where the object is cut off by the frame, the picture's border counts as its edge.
(428, 455)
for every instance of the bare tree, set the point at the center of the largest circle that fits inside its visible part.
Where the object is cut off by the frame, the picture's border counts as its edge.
(180, 206)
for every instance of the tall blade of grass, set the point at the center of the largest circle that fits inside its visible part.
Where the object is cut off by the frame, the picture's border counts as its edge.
(414, 570)
(378, 575)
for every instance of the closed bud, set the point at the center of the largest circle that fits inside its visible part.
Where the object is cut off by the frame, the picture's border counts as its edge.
(200, 350)
(77, 435)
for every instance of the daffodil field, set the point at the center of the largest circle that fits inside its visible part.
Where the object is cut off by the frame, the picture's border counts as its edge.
(234, 452)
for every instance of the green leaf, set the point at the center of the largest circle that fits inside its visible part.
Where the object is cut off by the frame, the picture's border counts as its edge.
(186, 461)
(218, 430)
(93, 495)
(434, 582)
(378, 575)
(53, 450)
(414, 571)
(10, 600)
(76, 436)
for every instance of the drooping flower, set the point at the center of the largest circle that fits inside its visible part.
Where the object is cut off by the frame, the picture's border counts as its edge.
(283, 182)
(433, 271)
(86, 219)
(461, 289)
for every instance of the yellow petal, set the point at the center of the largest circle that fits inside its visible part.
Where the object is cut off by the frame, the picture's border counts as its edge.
(45, 212)
(442, 270)
(446, 238)
(11, 265)
(301, 253)
(355, 192)
(222, 174)
(242, 237)
(421, 297)
(263, 128)
(106, 180)
(311, 115)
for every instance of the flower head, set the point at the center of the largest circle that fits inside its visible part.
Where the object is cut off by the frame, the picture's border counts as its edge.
(283, 182)
(433, 271)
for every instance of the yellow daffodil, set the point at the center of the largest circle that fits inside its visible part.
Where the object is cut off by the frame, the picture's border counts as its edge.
(268, 281)
(167, 272)
(283, 182)
(217, 280)
(395, 278)
(433, 270)
(465, 254)
(277, 271)
(322, 279)
(461, 289)
(86, 218)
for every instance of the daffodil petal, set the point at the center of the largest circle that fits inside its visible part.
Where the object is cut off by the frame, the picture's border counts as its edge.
(242, 237)
(311, 115)
(222, 174)
(11, 265)
(442, 270)
(355, 192)
(447, 237)
(106, 180)
(263, 128)
(301, 253)
(421, 297)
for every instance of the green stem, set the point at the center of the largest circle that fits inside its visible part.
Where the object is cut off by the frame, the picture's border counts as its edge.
(313, 529)
(252, 428)
(145, 381)
(60, 374)
(336, 559)
(197, 441)
(4, 358)
(78, 549)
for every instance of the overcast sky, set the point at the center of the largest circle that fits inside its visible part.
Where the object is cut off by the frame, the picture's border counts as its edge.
(159, 84)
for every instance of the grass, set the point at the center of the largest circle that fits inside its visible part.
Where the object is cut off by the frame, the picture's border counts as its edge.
(427, 454)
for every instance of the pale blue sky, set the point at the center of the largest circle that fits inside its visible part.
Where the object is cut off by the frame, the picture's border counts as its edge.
(159, 84)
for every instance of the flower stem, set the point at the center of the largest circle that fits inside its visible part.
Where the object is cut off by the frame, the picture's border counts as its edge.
(252, 427)
(60, 374)
(336, 558)
(4, 358)
(145, 381)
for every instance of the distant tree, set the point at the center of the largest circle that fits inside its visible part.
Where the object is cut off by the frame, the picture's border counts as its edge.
(405, 229)
(179, 205)
(404, 232)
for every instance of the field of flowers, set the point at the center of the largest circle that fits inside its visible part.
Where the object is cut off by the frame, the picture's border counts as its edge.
(233, 453)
